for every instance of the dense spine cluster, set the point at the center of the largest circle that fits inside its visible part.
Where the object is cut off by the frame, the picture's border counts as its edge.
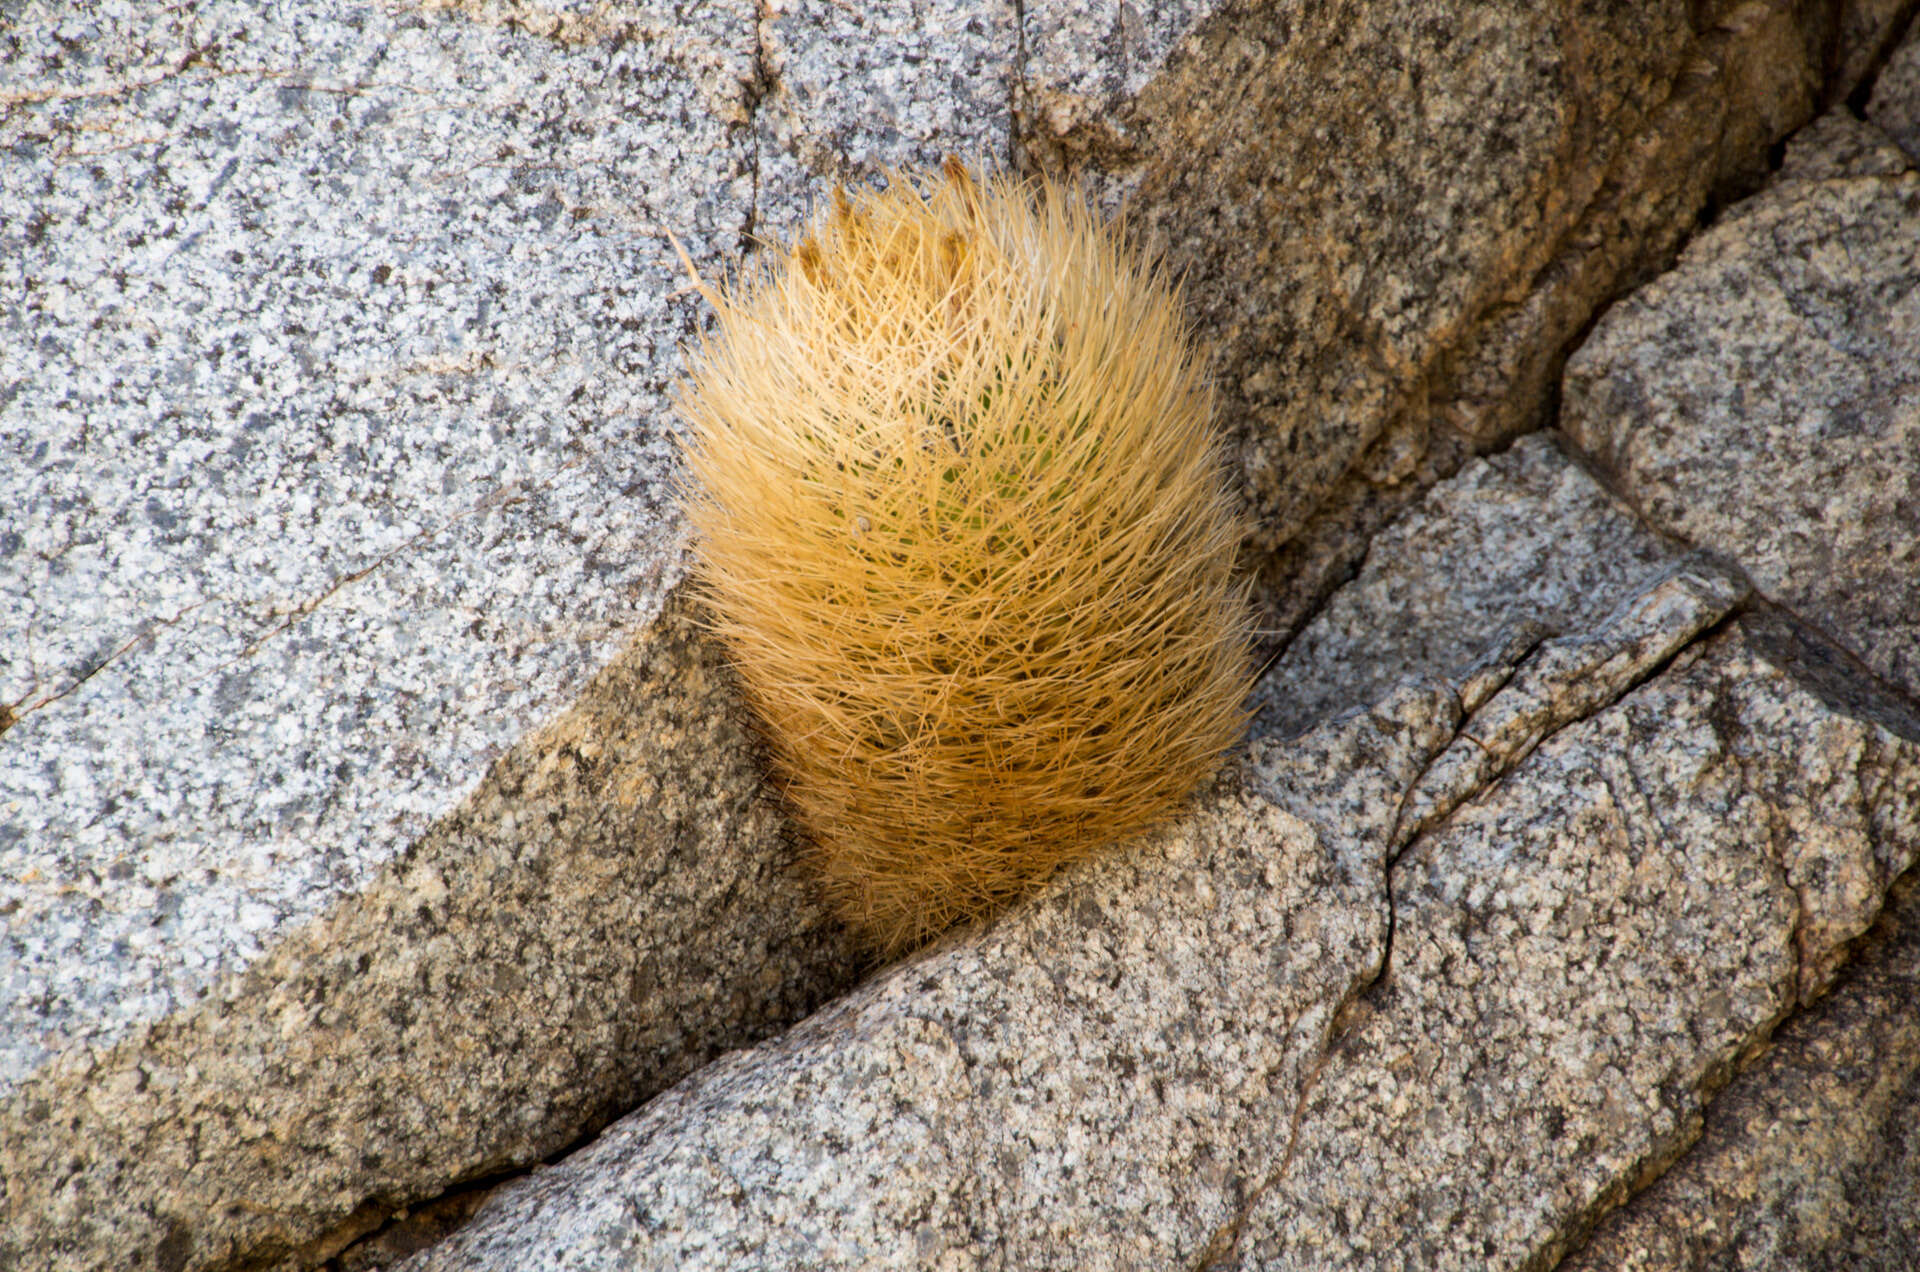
(963, 527)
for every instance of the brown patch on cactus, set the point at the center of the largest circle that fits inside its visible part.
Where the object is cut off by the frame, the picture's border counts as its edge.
(964, 527)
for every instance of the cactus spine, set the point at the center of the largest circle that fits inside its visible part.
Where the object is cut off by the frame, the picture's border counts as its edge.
(962, 524)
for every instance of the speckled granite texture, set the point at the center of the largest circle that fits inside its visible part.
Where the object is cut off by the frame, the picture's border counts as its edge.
(1895, 102)
(1461, 321)
(1554, 551)
(1136, 1071)
(1763, 399)
(372, 817)
(1616, 860)
(1581, 954)
(1811, 1160)
(335, 435)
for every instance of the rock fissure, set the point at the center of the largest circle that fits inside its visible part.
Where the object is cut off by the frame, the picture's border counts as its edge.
(1017, 123)
(1566, 679)
(1718, 594)
(1363, 1093)
(1479, 974)
(760, 86)
(1223, 1245)
(144, 636)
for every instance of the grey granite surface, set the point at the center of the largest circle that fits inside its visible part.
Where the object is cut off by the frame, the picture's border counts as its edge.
(1895, 102)
(337, 452)
(612, 906)
(1553, 549)
(1104, 1079)
(1809, 1162)
(849, 90)
(1763, 400)
(1582, 953)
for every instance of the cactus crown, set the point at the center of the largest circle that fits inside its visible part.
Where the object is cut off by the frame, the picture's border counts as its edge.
(963, 527)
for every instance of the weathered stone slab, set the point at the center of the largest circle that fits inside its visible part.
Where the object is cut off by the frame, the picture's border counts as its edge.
(1583, 953)
(1809, 1160)
(1763, 400)
(1895, 104)
(1438, 200)
(613, 906)
(316, 512)
(1089, 1083)
(1580, 957)
(1551, 548)
(1103, 1079)
(1687, 103)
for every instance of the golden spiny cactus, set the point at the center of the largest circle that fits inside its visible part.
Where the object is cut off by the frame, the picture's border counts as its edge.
(964, 530)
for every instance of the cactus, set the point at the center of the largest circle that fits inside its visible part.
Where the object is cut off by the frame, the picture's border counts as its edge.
(963, 527)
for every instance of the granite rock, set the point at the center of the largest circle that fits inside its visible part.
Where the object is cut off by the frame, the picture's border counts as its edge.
(1564, 679)
(1581, 956)
(1805, 1161)
(319, 512)
(1809, 1161)
(1396, 221)
(1838, 144)
(1895, 103)
(359, 777)
(1763, 400)
(614, 905)
(1581, 960)
(1752, 73)
(1106, 1077)
(1553, 548)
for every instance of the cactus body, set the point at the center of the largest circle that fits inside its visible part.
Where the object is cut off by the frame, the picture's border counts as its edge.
(963, 527)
